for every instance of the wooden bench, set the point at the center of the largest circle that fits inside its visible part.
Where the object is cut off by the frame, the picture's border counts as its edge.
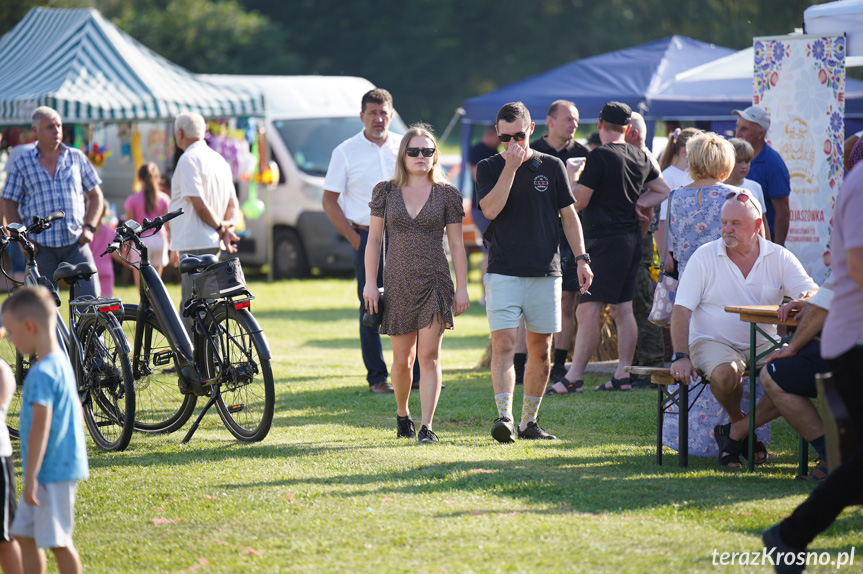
(661, 377)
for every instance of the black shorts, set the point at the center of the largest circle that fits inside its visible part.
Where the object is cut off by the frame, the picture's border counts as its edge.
(9, 502)
(796, 375)
(614, 261)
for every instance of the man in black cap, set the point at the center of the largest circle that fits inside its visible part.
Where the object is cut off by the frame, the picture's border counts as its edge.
(608, 198)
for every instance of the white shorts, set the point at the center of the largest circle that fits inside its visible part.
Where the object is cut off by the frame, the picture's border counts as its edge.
(49, 524)
(507, 298)
(157, 248)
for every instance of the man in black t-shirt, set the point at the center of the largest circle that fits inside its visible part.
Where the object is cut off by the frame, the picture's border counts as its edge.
(608, 196)
(523, 193)
(562, 122)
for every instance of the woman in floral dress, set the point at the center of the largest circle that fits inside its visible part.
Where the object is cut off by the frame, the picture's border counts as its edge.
(420, 300)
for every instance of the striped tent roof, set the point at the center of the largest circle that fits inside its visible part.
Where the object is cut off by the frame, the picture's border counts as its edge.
(90, 71)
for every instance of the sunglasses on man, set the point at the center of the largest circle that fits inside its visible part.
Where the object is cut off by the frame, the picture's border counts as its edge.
(517, 137)
(742, 197)
(416, 151)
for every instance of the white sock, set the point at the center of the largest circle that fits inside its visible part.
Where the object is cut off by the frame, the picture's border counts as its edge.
(529, 410)
(504, 405)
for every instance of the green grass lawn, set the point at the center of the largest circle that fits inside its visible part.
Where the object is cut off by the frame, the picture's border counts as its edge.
(331, 489)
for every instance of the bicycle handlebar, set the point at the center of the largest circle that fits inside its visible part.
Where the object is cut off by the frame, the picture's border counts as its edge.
(131, 230)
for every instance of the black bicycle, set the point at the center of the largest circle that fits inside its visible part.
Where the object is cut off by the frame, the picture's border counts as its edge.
(227, 357)
(93, 340)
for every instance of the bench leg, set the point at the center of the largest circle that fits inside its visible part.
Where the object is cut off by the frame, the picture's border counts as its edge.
(660, 415)
(683, 422)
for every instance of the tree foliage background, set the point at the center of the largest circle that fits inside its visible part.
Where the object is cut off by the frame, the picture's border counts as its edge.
(431, 54)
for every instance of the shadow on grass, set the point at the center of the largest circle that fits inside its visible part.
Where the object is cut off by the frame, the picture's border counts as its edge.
(561, 484)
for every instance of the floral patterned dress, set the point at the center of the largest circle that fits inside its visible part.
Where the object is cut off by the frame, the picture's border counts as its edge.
(417, 282)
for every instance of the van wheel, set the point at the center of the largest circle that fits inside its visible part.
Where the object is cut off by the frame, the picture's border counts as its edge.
(289, 259)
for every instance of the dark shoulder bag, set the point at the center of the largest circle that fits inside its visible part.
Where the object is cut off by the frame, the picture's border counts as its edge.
(374, 319)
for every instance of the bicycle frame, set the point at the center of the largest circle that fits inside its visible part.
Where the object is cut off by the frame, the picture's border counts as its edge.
(154, 299)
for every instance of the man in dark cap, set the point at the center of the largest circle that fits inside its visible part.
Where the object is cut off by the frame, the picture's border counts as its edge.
(608, 198)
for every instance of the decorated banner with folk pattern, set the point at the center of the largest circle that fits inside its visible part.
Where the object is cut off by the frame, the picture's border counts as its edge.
(800, 80)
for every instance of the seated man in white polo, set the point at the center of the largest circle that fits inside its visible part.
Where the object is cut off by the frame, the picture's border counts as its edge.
(740, 268)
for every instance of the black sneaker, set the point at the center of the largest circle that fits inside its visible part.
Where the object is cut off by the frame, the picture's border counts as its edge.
(405, 427)
(426, 435)
(534, 432)
(772, 539)
(503, 430)
(557, 373)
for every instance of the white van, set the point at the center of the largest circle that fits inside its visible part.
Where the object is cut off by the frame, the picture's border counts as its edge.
(307, 117)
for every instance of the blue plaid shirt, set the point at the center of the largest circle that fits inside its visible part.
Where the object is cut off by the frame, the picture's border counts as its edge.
(31, 186)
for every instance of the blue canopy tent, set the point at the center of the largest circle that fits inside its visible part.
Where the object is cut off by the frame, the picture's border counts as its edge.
(712, 90)
(632, 76)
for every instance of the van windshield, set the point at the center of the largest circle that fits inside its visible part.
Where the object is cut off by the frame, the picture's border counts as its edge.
(311, 141)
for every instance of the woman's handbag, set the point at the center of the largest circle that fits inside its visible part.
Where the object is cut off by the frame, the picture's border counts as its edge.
(370, 319)
(666, 287)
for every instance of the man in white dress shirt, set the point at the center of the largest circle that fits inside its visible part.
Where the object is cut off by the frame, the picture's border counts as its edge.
(357, 165)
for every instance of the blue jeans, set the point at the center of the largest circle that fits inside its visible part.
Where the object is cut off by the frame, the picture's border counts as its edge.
(49, 258)
(370, 337)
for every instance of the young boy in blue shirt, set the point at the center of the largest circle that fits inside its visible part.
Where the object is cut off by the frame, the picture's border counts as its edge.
(53, 451)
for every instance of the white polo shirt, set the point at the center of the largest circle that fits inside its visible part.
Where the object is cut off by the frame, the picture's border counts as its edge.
(357, 165)
(201, 172)
(712, 281)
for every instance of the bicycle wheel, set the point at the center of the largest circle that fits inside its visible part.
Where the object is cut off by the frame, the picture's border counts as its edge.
(106, 385)
(246, 398)
(159, 405)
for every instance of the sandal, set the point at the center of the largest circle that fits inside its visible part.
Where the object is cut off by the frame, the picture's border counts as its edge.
(759, 449)
(818, 474)
(564, 387)
(729, 449)
(615, 385)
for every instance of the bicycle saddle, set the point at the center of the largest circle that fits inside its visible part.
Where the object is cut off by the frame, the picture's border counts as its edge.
(67, 271)
(191, 263)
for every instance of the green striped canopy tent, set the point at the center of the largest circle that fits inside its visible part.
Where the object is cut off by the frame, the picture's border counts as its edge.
(91, 72)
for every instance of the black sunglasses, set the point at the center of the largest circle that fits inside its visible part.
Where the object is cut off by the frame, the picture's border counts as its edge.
(517, 137)
(415, 151)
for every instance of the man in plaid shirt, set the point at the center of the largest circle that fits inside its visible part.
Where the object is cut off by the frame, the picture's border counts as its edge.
(51, 177)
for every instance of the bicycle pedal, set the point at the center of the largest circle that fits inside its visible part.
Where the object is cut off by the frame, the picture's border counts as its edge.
(236, 408)
(163, 358)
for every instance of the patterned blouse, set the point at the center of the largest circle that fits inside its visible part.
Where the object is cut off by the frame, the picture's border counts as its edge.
(695, 219)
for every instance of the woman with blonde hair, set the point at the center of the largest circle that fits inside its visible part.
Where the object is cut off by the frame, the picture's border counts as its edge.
(694, 213)
(149, 203)
(418, 206)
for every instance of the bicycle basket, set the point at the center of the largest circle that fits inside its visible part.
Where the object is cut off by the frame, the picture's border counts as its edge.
(221, 279)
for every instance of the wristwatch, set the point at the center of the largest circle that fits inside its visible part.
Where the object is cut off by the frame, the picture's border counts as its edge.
(677, 356)
(221, 227)
(584, 256)
(90, 227)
